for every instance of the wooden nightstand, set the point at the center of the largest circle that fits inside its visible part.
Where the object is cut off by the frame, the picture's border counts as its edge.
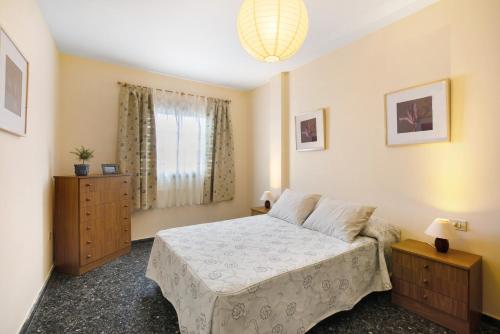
(259, 210)
(442, 287)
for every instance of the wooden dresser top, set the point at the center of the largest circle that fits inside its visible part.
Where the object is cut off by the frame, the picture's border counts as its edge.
(454, 257)
(88, 176)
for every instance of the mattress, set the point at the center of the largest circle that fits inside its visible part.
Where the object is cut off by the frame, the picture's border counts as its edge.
(260, 274)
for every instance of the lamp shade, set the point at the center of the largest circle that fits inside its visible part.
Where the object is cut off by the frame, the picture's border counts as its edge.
(441, 228)
(272, 30)
(267, 196)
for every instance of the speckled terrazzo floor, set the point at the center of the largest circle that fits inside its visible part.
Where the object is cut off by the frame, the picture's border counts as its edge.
(117, 298)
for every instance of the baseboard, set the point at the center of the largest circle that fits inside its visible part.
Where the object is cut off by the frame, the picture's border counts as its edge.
(34, 307)
(138, 241)
(490, 320)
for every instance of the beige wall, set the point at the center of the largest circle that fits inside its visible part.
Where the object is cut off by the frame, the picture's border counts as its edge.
(410, 185)
(26, 169)
(269, 116)
(89, 117)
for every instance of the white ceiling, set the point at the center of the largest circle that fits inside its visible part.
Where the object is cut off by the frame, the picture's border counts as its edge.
(197, 39)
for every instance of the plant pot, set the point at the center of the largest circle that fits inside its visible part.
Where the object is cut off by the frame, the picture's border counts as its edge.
(82, 170)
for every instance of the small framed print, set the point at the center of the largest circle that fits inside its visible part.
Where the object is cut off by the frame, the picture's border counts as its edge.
(110, 169)
(418, 114)
(310, 131)
(13, 87)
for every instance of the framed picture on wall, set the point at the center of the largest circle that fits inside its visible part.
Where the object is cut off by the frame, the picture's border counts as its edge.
(13, 87)
(418, 114)
(310, 131)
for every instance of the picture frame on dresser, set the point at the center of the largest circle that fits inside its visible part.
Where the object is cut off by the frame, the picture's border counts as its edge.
(110, 169)
(14, 74)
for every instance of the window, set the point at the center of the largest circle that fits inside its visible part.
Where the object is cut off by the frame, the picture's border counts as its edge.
(180, 144)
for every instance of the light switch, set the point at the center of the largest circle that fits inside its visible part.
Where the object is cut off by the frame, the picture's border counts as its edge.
(460, 225)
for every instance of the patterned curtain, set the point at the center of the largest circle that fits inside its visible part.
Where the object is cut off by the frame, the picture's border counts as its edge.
(219, 176)
(137, 143)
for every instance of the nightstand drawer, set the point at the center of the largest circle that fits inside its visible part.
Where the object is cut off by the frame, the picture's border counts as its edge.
(444, 279)
(410, 268)
(444, 303)
(405, 288)
(433, 299)
(447, 280)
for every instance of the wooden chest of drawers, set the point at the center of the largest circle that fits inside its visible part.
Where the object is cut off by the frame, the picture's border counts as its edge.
(91, 221)
(445, 288)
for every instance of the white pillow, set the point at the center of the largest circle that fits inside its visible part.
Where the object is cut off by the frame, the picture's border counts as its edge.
(294, 206)
(339, 219)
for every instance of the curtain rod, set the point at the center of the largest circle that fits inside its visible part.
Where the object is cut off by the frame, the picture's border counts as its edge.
(166, 90)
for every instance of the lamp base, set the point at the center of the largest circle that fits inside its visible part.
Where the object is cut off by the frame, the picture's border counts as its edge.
(442, 245)
(267, 204)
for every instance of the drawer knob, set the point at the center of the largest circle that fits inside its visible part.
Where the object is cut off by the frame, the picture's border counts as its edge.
(89, 228)
(426, 266)
(125, 194)
(426, 281)
(126, 230)
(88, 184)
(89, 256)
(125, 218)
(125, 181)
(88, 199)
(125, 206)
(89, 242)
(88, 213)
(126, 242)
(425, 296)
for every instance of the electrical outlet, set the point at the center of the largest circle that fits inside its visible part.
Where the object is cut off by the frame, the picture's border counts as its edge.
(460, 225)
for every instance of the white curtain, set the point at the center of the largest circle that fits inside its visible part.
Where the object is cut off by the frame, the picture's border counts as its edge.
(181, 148)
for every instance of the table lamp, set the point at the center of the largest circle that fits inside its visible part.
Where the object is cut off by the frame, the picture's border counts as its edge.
(442, 230)
(267, 196)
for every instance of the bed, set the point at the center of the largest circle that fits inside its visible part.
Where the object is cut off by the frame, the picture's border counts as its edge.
(261, 274)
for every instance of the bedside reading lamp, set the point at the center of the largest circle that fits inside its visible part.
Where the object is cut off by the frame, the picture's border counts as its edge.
(267, 196)
(442, 230)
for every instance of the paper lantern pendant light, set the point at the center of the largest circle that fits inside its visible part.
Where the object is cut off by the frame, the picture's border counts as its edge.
(272, 30)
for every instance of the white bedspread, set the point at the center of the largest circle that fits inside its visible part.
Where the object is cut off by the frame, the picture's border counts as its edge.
(262, 275)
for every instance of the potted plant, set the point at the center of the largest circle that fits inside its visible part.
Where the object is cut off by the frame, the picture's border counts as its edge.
(83, 154)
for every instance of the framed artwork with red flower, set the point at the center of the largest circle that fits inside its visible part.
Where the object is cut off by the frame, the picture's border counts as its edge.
(419, 114)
